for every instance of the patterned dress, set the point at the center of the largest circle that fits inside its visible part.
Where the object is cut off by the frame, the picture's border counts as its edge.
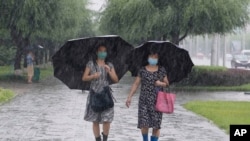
(97, 85)
(147, 116)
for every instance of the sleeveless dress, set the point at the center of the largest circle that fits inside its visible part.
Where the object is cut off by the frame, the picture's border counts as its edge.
(147, 115)
(97, 85)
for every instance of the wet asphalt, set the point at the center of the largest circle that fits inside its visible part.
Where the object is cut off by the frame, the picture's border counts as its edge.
(49, 111)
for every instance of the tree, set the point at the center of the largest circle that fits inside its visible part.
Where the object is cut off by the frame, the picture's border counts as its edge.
(174, 20)
(40, 21)
(130, 19)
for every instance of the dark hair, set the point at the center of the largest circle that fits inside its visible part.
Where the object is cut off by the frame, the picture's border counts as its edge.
(153, 50)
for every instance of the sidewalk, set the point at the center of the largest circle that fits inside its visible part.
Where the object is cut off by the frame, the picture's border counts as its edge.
(50, 111)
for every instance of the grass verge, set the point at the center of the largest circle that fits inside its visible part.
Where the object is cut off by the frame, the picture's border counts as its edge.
(245, 87)
(7, 74)
(5, 95)
(46, 72)
(222, 113)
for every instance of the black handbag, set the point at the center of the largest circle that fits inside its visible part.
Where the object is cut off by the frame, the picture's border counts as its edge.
(101, 101)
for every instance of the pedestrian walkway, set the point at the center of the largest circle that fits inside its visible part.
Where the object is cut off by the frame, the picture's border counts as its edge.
(52, 112)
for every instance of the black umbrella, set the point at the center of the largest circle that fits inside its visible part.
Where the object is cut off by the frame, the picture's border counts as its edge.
(174, 59)
(70, 60)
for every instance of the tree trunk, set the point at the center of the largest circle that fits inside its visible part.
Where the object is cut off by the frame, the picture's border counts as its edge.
(213, 51)
(224, 50)
(21, 43)
(175, 38)
(18, 58)
(51, 53)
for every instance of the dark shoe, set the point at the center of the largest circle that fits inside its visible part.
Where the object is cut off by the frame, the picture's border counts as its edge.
(98, 139)
(105, 137)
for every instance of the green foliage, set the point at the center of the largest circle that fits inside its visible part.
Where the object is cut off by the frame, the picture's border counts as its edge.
(111, 21)
(46, 72)
(7, 55)
(7, 74)
(245, 87)
(161, 19)
(42, 22)
(215, 76)
(222, 113)
(6, 70)
(217, 16)
(140, 16)
(198, 69)
(5, 95)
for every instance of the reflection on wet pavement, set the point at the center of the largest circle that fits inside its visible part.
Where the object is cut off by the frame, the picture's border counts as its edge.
(50, 111)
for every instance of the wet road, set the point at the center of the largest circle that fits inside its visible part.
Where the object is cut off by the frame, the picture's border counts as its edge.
(49, 111)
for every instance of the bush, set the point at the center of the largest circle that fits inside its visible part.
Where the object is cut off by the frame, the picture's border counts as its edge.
(216, 76)
(7, 55)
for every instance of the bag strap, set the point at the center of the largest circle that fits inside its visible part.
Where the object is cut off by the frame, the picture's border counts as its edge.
(95, 65)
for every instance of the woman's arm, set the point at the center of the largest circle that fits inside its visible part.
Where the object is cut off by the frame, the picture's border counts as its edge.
(133, 90)
(163, 83)
(165, 79)
(112, 74)
(87, 76)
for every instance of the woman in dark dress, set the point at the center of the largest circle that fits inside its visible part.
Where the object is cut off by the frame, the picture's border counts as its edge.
(152, 78)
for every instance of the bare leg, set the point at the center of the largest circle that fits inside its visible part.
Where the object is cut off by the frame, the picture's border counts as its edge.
(156, 132)
(96, 129)
(144, 130)
(29, 79)
(106, 127)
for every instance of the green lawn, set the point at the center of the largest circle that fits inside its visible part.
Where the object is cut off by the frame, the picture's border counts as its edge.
(5, 95)
(5, 70)
(7, 74)
(46, 72)
(245, 87)
(222, 113)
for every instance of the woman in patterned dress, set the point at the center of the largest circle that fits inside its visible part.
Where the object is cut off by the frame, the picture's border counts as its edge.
(97, 72)
(152, 78)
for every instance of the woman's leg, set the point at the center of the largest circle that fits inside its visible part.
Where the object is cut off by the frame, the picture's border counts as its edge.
(155, 135)
(106, 127)
(156, 132)
(144, 132)
(96, 129)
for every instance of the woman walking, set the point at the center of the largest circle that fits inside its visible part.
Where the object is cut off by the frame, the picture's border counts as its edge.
(30, 67)
(98, 71)
(152, 78)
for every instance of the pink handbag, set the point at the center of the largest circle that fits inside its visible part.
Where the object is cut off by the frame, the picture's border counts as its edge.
(165, 102)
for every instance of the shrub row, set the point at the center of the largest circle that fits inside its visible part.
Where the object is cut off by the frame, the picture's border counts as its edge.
(216, 76)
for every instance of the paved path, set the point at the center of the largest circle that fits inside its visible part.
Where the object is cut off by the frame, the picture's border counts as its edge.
(49, 111)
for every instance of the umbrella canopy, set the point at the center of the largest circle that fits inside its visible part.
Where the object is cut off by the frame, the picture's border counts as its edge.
(70, 60)
(174, 59)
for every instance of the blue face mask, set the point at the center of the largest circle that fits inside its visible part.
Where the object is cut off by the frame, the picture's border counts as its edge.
(102, 55)
(152, 61)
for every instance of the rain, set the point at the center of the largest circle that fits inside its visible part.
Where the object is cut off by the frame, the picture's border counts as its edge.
(51, 59)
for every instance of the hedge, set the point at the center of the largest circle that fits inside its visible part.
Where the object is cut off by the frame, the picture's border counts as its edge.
(216, 76)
